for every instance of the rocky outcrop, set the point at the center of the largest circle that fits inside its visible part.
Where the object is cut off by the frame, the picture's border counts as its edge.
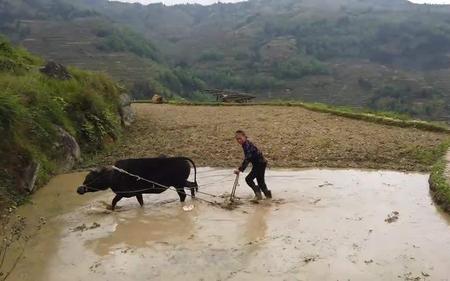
(69, 152)
(27, 180)
(56, 71)
(127, 114)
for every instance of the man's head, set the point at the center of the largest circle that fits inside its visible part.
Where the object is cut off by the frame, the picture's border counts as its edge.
(240, 136)
(96, 180)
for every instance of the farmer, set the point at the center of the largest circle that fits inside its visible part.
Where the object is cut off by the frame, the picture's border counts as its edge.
(253, 155)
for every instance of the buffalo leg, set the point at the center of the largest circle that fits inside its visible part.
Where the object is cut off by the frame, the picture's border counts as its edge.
(181, 193)
(191, 185)
(114, 201)
(140, 199)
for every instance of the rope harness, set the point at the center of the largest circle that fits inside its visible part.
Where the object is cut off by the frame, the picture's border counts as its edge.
(154, 183)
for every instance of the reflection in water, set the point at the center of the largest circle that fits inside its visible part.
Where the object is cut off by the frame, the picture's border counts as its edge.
(137, 229)
(256, 224)
(255, 230)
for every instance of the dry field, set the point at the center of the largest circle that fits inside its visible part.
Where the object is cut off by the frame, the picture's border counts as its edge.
(291, 137)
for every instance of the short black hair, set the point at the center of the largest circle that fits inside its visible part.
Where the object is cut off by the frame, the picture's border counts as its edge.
(241, 132)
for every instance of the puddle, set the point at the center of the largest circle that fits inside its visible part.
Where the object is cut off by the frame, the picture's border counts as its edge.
(321, 225)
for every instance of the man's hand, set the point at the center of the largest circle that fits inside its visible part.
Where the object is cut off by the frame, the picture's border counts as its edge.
(237, 172)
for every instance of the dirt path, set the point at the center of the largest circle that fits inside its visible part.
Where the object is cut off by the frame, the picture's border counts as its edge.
(289, 136)
(322, 225)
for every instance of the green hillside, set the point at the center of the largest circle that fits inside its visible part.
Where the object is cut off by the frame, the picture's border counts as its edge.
(34, 108)
(385, 55)
(67, 33)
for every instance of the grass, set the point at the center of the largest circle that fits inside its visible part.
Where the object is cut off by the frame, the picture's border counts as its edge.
(33, 105)
(385, 118)
(16, 60)
(440, 182)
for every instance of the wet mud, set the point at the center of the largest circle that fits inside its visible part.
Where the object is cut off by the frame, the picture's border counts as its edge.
(321, 225)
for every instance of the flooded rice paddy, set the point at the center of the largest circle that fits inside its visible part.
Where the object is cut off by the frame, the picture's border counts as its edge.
(321, 225)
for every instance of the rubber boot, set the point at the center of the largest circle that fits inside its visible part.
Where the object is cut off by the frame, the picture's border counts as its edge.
(258, 197)
(268, 194)
(258, 194)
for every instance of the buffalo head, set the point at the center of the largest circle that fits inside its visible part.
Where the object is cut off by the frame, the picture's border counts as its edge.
(97, 180)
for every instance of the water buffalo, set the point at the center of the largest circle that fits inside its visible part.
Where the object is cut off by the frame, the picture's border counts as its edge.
(167, 171)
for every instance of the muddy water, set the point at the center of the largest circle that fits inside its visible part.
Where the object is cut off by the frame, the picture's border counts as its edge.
(323, 225)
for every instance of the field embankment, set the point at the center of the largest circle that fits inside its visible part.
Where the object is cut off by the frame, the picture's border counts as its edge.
(440, 180)
(291, 137)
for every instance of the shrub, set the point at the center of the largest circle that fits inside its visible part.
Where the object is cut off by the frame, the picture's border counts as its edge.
(211, 55)
(125, 40)
(415, 102)
(298, 67)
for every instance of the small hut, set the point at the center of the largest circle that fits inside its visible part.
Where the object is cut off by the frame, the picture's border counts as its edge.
(230, 96)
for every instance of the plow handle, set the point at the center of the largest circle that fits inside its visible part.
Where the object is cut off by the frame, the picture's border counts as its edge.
(233, 191)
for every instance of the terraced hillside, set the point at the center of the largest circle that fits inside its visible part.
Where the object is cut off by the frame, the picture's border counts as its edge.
(383, 55)
(67, 33)
(386, 55)
(75, 43)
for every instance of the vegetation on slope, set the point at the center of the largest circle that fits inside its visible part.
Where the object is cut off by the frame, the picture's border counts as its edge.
(386, 55)
(125, 40)
(83, 37)
(303, 49)
(440, 181)
(33, 106)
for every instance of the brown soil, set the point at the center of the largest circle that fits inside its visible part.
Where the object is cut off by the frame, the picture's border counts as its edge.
(289, 136)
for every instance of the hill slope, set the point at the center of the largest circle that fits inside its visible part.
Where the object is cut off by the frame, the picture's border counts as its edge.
(41, 115)
(387, 55)
(67, 33)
